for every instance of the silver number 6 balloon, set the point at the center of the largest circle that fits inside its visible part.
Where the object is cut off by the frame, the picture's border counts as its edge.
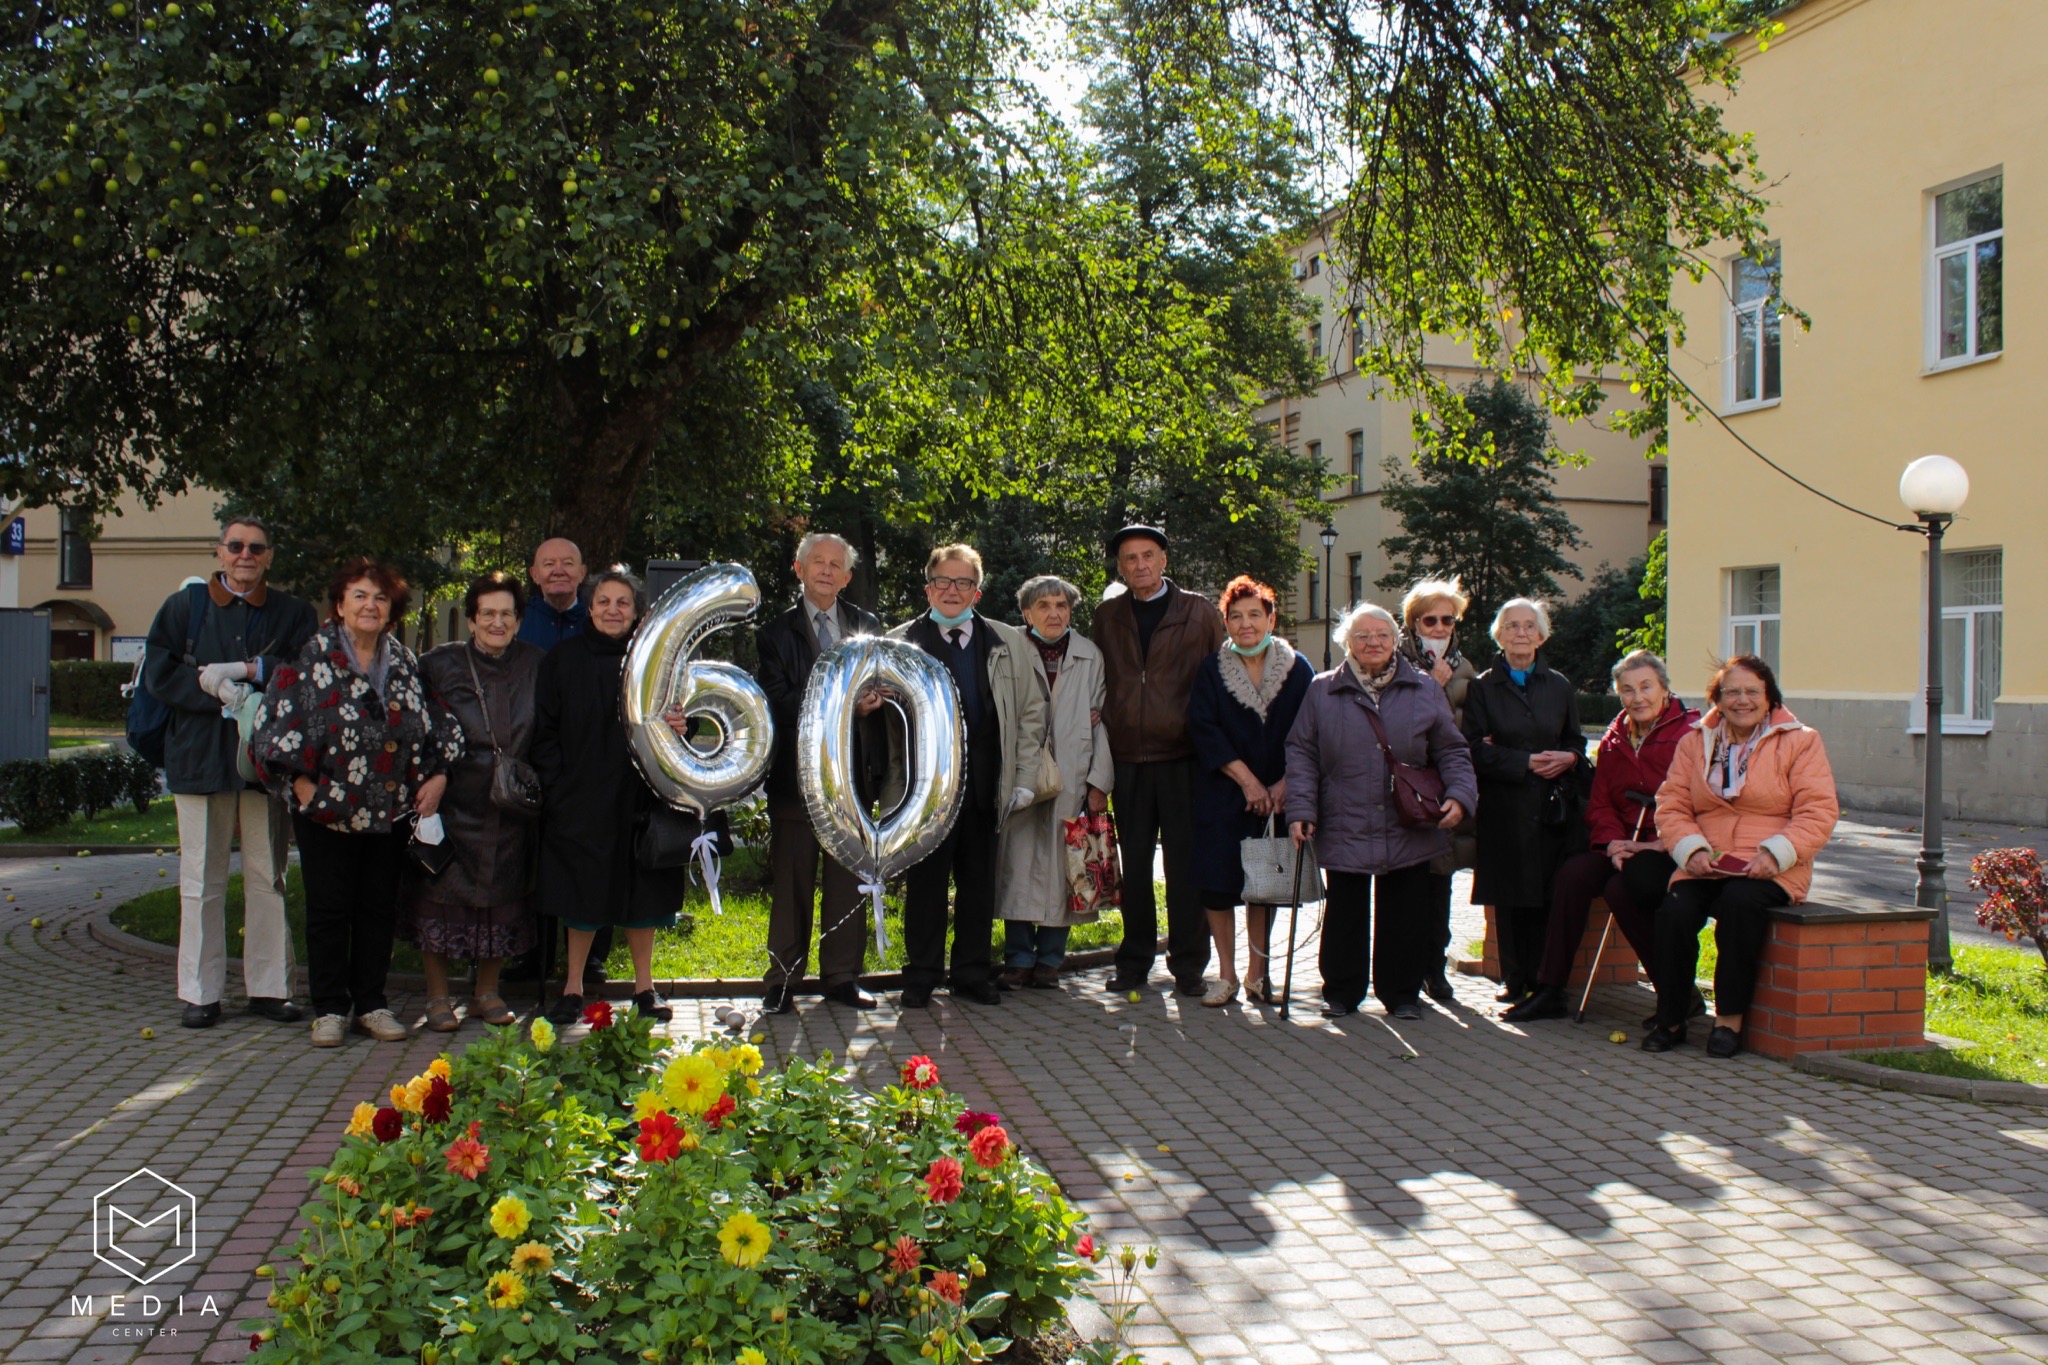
(936, 760)
(661, 672)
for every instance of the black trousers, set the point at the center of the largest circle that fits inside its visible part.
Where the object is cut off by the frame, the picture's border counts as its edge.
(1519, 932)
(1155, 809)
(1394, 959)
(351, 910)
(966, 860)
(1440, 915)
(1633, 894)
(1741, 910)
(793, 860)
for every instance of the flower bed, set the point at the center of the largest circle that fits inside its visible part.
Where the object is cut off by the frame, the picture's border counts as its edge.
(534, 1201)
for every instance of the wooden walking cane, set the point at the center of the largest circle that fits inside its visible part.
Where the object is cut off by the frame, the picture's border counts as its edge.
(1293, 922)
(1644, 800)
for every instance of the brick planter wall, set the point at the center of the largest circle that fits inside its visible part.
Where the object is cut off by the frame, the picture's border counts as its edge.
(1618, 965)
(1837, 978)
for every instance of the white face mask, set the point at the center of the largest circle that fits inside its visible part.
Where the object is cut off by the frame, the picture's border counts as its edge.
(1434, 648)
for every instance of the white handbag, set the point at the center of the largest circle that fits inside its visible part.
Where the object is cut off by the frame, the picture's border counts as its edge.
(1270, 873)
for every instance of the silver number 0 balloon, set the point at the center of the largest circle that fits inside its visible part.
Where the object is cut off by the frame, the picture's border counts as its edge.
(936, 760)
(661, 671)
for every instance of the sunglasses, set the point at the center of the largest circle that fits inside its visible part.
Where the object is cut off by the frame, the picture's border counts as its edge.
(254, 547)
(1436, 620)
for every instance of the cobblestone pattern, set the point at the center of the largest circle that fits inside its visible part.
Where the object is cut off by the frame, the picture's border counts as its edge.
(1451, 1189)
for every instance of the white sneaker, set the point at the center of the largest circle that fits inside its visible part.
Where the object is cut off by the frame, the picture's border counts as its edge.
(1220, 994)
(329, 1030)
(382, 1025)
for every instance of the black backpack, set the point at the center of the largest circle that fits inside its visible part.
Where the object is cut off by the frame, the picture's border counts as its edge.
(149, 719)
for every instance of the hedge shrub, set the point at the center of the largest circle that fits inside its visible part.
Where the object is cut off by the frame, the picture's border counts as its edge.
(1598, 708)
(42, 793)
(90, 688)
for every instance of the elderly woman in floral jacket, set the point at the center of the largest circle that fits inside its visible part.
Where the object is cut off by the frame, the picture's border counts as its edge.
(348, 739)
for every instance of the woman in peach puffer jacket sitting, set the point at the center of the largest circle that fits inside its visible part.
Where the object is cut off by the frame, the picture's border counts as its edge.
(1749, 802)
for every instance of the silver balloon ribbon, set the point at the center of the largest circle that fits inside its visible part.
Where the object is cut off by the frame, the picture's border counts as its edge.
(873, 891)
(662, 673)
(705, 847)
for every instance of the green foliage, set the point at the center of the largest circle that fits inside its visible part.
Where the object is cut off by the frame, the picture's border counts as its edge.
(515, 1215)
(1649, 633)
(90, 688)
(39, 794)
(1589, 633)
(1482, 506)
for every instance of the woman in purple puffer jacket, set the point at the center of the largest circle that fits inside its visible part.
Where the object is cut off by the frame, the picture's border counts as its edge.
(1338, 791)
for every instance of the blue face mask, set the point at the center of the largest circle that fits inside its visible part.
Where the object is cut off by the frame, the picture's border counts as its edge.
(950, 621)
(1256, 650)
(1054, 639)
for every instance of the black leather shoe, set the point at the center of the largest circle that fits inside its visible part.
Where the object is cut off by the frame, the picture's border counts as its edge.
(1333, 1010)
(980, 992)
(915, 998)
(270, 1007)
(1546, 1003)
(778, 1000)
(1664, 1039)
(1699, 1007)
(1123, 985)
(1439, 987)
(652, 1005)
(1723, 1042)
(1193, 985)
(850, 994)
(1407, 1009)
(566, 1010)
(201, 1016)
(1511, 994)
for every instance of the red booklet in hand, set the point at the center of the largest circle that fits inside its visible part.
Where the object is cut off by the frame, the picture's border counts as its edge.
(1730, 864)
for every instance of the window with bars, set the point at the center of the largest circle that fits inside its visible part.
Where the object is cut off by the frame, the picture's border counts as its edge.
(1754, 613)
(1357, 463)
(74, 550)
(1354, 576)
(1966, 286)
(1972, 629)
(1754, 377)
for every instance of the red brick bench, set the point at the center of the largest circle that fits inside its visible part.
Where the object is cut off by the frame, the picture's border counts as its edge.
(1834, 978)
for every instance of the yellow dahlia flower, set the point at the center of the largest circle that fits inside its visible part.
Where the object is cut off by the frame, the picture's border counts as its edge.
(359, 1122)
(692, 1083)
(532, 1258)
(744, 1239)
(510, 1217)
(505, 1290)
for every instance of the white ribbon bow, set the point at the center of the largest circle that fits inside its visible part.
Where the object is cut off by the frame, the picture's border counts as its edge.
(705, 848)
(873, 891)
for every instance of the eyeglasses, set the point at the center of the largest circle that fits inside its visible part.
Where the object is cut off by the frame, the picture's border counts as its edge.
(1743, 694)
(254, 547)
(957, 584)
(1436, 620)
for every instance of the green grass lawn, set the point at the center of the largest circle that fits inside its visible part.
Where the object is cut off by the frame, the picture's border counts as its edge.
(1997, 1001)
(159, 825)
(60, 721)
(703, 945)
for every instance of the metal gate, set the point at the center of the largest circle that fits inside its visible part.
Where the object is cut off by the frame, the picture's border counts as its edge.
(24, 683)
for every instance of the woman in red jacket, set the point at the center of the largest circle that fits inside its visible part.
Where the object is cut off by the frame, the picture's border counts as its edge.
(1626, 864)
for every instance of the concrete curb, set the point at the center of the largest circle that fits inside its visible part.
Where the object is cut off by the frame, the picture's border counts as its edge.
(1847, 1068)
(103, 929)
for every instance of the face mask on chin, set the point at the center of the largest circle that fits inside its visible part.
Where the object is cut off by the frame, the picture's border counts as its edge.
(1436, 649)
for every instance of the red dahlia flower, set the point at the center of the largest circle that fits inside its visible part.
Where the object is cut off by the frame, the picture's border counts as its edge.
(973, 1121)
(387, 1125)
(1085, 1248)
(598, 1014)
(990, 1147)
(467, 1157)
(434, 1108)
(660, 1138)
(721, 1110)
(942, 1181)
(905, 1256)
(947, 1286)
(920, 1072)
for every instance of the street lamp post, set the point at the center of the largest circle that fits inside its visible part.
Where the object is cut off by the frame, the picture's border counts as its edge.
(1933, 488)
(1328, 536)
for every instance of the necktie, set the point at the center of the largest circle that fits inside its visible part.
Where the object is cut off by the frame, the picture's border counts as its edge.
(955, 635)
(822, 626)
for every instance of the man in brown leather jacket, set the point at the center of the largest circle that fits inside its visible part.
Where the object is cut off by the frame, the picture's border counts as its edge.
(1153, 637)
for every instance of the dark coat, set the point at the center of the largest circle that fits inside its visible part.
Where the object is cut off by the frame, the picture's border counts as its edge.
(493, 851)
(593, 799)
(545, 627)
(268, 626)
(787, 649)
(367, 751)
(1464, 848)
(1146, 706)
(1506, 724)
(1623, 767)
(1225, 729)
(1337, 777)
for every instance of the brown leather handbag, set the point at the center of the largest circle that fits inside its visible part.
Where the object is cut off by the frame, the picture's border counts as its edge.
(1417, 793)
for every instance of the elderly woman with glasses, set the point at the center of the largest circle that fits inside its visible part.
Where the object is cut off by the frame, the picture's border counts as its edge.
(1340, 792)
(1429, 623)
(1032, 893)
(1522, 718)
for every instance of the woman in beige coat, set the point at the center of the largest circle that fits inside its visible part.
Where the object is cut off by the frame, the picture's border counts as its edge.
(1031, 864)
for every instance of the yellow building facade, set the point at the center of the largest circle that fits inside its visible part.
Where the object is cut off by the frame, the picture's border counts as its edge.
(1906, 147)
(1616, 499)
(103, 584)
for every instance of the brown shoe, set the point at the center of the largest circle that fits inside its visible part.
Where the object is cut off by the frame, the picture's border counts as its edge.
(441, 1015)
(492, 1009)
(1013, 978)
(1045, 978)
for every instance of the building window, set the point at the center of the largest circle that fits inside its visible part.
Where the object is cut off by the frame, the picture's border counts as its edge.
(1293, 431)
(1754, 327)
(1315, 595)
(1660, 494)
(1354, 577)
(1315, 265)
(1315, 343)
(1753, 614)
(1315, 454)
(1357, 463)
(1358, 342)
(1972, 627)
(1966, 284)
(74, 550)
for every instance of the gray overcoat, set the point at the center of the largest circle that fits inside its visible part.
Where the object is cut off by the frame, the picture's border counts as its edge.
(1031, 862)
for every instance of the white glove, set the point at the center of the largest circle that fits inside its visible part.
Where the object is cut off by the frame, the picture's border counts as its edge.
(213, 675)
(232, 694)
(1020, 798)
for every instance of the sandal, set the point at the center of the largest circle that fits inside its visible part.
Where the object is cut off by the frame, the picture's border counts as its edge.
(1257, 992)
(441, 1014)
(1220, 994)
(492, 1009)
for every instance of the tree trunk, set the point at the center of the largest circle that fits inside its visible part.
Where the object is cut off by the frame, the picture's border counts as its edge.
(602, 460)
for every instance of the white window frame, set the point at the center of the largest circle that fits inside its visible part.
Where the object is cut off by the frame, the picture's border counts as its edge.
(1355, 457)
(1730, 403)
(1315, 264)
(1967, 620)
(1734, 620)
(1937, 252)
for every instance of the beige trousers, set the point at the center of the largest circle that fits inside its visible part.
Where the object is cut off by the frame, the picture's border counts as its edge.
(206, 833)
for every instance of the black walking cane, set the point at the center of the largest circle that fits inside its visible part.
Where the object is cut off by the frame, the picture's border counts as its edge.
(1647, 801)
(1293, 922)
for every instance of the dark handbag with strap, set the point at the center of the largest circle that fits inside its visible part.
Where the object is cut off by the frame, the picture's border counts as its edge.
(1417, 793)
(666, 838)
(515, 784)
(431, 859)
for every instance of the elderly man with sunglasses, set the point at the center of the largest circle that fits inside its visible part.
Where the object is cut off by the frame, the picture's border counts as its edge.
(210, 646)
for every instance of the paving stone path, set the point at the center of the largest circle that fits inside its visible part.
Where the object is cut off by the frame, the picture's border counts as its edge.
(1449, 1189)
